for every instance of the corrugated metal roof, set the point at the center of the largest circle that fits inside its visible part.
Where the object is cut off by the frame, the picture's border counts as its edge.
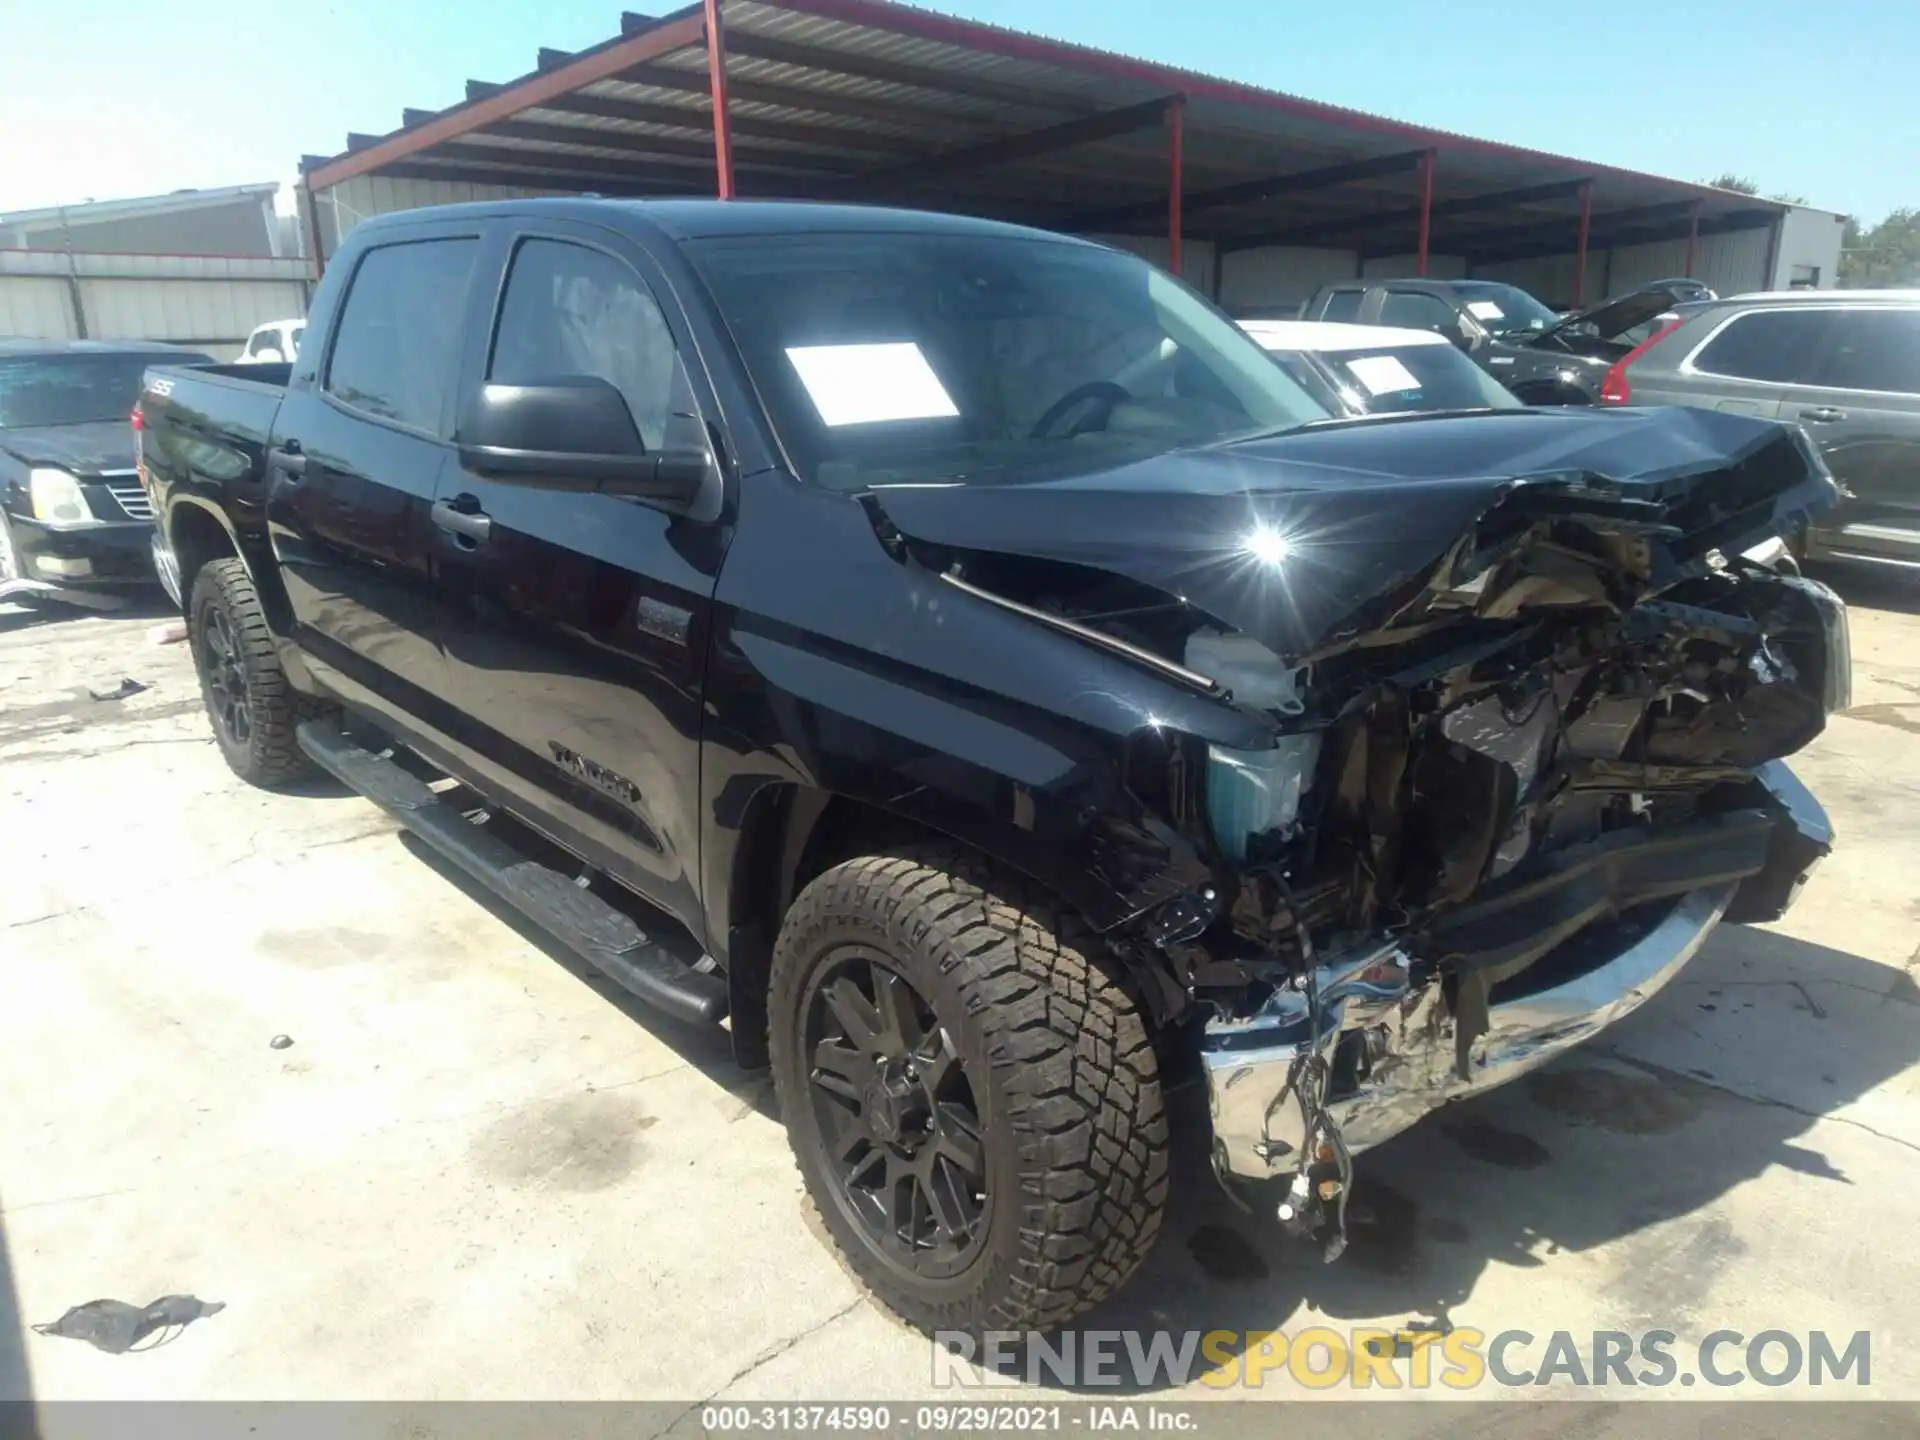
(869, 100)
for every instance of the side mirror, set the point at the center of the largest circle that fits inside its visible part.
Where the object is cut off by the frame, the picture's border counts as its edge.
(576, 433)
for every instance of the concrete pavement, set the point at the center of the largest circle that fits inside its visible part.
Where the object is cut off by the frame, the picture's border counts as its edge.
(479, 1171)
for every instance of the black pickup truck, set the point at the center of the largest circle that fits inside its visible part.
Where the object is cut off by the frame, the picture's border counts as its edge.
(957, 658)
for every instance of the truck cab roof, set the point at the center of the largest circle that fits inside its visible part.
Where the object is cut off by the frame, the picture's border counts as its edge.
(696, 218)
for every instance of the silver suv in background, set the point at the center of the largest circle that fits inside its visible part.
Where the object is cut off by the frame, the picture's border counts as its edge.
(1845, 365)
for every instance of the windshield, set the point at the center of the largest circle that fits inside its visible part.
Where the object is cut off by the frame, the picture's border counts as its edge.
(73, 389)
(1504, 309)
(1392, 380)
(983, 359)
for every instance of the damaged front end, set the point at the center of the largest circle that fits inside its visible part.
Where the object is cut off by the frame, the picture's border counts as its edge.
(1527, 721)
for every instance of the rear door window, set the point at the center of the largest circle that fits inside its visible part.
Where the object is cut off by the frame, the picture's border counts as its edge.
(1416, 311)
(1776, 346)
(1874, 350)
(397, 346)
(1340, 305)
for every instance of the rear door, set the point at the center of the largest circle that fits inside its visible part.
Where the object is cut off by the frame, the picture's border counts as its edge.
(577, 623)
(1863, 410)
(357, 452)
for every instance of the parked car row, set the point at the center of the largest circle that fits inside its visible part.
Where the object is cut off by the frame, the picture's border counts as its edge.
(1844, 365)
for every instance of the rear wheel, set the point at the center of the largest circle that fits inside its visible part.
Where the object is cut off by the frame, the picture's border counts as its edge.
(253, 708)
(972, 1099)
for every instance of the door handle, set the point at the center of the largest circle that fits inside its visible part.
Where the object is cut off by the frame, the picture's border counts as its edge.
(1823, 414)
(468, 524)
(289, 459)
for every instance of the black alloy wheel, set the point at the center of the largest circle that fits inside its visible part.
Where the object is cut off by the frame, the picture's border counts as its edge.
(897, 1115)
(254, 711)
(971, 1095)
(226, 680)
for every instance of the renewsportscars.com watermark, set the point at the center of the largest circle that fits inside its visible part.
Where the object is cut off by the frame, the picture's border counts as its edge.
(1320, 1358)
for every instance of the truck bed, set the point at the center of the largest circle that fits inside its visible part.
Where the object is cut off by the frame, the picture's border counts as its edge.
(231, 405)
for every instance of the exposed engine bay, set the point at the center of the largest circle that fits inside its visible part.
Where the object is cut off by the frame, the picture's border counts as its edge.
(1541, 758)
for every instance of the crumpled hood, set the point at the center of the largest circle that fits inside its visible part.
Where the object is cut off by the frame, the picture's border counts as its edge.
(84, 450)
(1364, 507)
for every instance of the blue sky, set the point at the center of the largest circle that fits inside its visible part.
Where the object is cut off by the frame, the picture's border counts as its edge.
(105, 98)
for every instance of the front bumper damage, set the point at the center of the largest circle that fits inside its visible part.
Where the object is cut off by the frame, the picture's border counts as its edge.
(1356, 1050)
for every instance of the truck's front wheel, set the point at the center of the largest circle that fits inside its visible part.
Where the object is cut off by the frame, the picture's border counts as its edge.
(253, 709)
(973, 1100)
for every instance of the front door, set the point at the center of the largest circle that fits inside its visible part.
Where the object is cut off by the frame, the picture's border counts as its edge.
(357, 452)
(577, 623)
(1863, 411)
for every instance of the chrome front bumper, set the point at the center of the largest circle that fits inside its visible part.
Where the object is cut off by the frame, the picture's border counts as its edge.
(1389, 1047)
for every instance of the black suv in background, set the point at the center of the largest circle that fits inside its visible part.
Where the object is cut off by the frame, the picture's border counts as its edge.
(1845, 366)
(1543, 357)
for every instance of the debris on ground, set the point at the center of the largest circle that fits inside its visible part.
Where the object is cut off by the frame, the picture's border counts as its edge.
(171, 633)
(281, 1042)
(117, 1327)
(121, 691)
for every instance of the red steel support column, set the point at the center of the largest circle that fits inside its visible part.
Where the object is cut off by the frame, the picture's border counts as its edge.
(1580, 250)
(1426, 209)
(1176, 163)
(717, 87)
(1693, 237)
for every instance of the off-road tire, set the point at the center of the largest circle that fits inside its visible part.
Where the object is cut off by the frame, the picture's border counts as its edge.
(268, 755)
(1058, 1056)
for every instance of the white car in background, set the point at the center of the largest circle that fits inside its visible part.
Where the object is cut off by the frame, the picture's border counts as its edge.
(1378, 369)
(272, 343)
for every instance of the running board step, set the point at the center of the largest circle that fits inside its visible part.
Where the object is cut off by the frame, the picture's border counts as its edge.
(599, 934)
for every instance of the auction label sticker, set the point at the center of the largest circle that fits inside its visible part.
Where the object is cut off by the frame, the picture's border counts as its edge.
(1485, 310)
(867, 384)
(1383, 374)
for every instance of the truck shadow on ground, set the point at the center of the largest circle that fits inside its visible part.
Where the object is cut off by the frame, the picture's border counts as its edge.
(1623, 1143)
(710, 1051)
(16, 1387)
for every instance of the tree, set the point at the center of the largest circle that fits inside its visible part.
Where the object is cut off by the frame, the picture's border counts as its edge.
(1727, 180)
(1883, 256)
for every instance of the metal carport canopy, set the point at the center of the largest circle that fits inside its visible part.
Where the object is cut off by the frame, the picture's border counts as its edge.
(869, 100)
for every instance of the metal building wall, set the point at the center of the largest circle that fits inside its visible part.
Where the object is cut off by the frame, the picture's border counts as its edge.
(1196, 256)
(1809, 240)
(345, 205)
(1279, 276)
(1406, 267)
(209, 301)
(38, 308)
(1549, 278)
(1731, 264)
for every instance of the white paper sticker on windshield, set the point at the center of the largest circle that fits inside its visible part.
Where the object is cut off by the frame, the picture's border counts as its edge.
(1382, 374)
(1485, 310)
(866, 384)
